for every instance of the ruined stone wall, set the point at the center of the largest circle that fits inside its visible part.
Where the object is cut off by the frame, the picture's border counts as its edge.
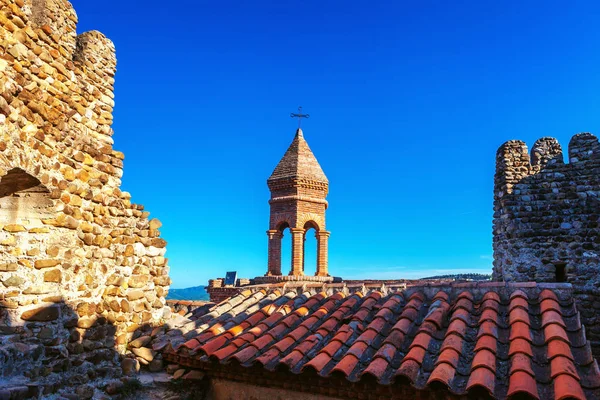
(81, 267)
(546, 215)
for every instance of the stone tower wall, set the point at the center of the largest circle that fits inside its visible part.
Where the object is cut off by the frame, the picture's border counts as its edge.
(546, 215)
(81, 267)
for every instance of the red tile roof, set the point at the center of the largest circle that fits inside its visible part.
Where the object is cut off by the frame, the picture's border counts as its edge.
(489, 338)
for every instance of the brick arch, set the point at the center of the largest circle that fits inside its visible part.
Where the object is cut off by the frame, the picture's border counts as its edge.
(311, 218)
(280, 220)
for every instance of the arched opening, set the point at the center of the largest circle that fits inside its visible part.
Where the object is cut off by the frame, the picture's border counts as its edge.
(311, 246)
(23, 200)
(286, 248)
(31, 231)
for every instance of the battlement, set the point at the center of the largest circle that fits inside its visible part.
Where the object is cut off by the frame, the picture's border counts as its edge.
(55, 22)
(514, 161)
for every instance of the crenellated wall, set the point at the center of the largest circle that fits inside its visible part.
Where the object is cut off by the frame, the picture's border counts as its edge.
(81, 267)
(546, 215)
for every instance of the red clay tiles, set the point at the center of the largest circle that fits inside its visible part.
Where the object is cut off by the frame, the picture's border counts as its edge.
(497, 341)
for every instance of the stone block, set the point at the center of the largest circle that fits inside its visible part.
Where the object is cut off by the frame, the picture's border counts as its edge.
(42, 314)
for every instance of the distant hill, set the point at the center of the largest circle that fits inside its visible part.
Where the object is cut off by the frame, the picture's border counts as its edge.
(192, 293)
(463, 277)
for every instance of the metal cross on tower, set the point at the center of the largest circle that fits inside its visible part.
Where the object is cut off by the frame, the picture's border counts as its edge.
(299, 116)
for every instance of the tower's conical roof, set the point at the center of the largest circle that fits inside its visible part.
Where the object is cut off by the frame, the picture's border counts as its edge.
(299, 162)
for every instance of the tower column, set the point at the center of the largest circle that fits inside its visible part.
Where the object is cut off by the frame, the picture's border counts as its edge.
(297, 251)
(274, 252)
(322, 249)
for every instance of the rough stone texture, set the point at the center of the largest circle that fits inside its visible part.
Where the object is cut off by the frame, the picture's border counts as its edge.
(546, 215)
(298, 191)
(81, 267)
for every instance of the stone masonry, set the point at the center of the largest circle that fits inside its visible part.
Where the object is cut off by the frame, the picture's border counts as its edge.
(81, 267)
(546, 215)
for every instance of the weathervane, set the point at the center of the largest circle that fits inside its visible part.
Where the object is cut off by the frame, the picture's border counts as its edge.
(299, 116)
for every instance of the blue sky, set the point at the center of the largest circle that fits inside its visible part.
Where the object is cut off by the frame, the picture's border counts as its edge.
(408, 100)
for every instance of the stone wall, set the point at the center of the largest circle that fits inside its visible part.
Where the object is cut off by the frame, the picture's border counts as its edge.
(81, 267)
(546, 215)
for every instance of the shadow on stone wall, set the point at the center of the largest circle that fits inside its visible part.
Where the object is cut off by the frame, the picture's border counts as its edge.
(50, 348)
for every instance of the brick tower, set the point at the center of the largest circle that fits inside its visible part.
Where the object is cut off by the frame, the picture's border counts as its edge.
(298, 191)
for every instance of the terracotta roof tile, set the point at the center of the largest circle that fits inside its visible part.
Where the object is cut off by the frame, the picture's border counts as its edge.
(521, 382)
(332, 347)
(562, 365)
(347, 364)
(520, 330)
(518, 314)
(521, 362)
(465, 294)
(465, 303)
(549, 304)
(548, 294)
(490, 328)
(490, 304)
(387, 352)
(449, 356)
(292, 359)
(567, 387)
(484, 358)
(452, 341)
(559, 348)
(552, 317)
(519, 345)
(555, 332)
(462, 314)
(416, 353)
(404, 324)
(489, 314)
(318, 363)
(518, 302)
(443, 373)
(486, 342)
(499, 339)
(409, 369)
(492, 296)
(377, 324)
(458, 327)
(518, 293)
(482, 377)
(377, 368)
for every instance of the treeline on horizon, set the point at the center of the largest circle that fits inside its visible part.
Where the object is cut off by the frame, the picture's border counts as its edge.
(463, 277)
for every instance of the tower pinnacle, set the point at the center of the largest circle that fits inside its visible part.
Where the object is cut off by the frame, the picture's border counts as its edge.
(299, 189)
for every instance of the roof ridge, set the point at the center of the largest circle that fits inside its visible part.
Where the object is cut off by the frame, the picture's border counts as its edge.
(299, 162)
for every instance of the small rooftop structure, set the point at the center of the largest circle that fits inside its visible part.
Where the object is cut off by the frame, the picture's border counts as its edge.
(299, 189)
